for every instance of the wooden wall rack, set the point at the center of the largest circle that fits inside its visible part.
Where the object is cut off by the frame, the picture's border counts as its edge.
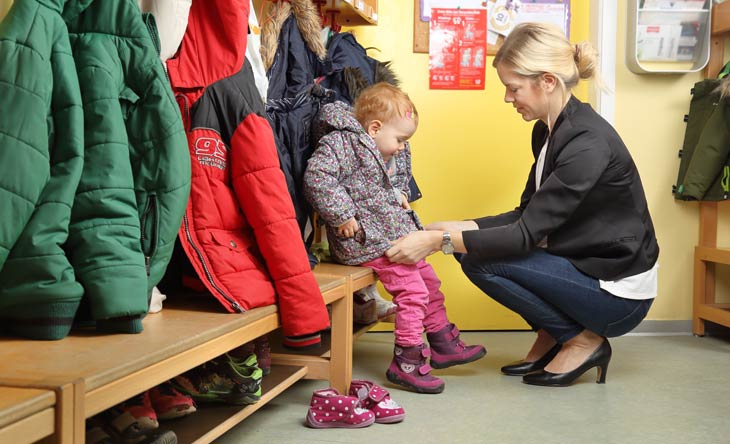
(707, 253)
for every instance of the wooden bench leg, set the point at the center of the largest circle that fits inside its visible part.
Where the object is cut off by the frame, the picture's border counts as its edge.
(341, 345)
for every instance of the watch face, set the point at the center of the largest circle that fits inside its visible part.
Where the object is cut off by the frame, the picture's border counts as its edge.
(446, 246)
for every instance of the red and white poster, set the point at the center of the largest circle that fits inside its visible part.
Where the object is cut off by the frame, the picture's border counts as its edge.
(458, 48)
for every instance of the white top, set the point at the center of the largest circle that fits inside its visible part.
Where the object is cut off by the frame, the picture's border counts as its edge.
(638, 286)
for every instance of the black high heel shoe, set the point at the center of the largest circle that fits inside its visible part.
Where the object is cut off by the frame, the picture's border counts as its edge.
(599, 358)
(521, 368)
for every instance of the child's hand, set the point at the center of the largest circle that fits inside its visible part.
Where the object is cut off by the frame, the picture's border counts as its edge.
(349, 228)
(404, 202)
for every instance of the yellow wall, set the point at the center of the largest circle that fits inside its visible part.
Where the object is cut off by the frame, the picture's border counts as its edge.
(471, 153)
(471, 156)
(649, 112)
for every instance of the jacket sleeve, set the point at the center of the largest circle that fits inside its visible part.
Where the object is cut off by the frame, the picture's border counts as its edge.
(25, 133)
(710, 154)
(322, 186)
(578, 167)
(261, 192)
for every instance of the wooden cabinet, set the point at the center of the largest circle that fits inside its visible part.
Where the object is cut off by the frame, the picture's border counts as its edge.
(707, 253)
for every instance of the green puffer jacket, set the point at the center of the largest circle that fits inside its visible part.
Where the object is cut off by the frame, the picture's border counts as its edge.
(41, 158)
(122, 222)
(706, 148)
(136, 179)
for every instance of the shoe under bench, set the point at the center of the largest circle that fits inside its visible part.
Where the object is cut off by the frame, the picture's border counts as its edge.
(52, 387)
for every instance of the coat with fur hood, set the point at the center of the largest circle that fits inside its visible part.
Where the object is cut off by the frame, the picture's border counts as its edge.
(347, 177)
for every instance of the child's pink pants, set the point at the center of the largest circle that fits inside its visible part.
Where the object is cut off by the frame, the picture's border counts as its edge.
(416, 290)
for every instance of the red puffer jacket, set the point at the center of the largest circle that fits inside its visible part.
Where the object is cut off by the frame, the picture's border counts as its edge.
(239, 229)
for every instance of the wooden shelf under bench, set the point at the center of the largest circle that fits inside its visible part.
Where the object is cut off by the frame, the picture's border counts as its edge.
(104, 370)
(86, 373)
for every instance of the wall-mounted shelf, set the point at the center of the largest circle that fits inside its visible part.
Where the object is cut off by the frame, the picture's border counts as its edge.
(350, 12)
(667, 36)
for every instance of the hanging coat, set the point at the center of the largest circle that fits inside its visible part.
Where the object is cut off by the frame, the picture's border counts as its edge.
(41, 158)
(703, 168)
(239, 230)
(136, 177)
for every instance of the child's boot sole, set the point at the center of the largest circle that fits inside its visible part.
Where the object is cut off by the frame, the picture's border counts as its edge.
(395, 379)
(447, 364)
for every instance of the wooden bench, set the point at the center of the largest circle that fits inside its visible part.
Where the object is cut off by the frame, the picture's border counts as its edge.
(26, 414)
(94, 372)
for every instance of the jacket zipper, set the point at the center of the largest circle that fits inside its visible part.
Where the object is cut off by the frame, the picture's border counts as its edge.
(149, 248)
(208, 275)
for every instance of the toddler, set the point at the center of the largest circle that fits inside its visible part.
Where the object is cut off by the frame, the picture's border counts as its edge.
(357, 180)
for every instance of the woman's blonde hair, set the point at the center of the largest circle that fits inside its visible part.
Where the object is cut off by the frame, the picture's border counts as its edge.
(384, 102)
(532, 49)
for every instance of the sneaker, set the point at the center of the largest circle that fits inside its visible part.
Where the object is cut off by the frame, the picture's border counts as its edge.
(220, 380)
(114, 426)
(170, 403)
(141, 410)
(247, 375)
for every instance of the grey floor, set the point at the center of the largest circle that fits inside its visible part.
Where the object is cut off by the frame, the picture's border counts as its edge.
(660, 389)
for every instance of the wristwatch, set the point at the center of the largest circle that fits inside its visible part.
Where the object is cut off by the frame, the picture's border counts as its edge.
(447, 247)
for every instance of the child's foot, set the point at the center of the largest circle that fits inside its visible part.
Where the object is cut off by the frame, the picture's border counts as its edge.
(409, 369)
(447, 348)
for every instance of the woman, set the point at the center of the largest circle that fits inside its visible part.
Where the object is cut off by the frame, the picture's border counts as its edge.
(578, 258)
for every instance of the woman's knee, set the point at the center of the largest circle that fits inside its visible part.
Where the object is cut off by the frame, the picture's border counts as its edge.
(471, 265)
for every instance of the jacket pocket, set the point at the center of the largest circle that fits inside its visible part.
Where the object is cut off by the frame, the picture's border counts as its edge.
(149, 226)
(233, 252)
(127, 100)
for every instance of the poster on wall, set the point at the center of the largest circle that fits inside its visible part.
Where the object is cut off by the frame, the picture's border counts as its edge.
(458, 48)
(506, 14)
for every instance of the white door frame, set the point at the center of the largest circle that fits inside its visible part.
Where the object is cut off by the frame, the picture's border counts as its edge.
(604, 16)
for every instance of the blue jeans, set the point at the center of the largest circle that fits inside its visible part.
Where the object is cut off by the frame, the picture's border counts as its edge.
(551, 294)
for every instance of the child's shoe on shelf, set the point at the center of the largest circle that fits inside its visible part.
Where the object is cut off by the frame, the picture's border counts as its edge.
(141, 410)
(383, 308)
(262, 349)
(247, 376)
(448, 349)
(170, 403)
(259, 347)
(377, 400)
(221, 380)
(328, 409)
(410, 369)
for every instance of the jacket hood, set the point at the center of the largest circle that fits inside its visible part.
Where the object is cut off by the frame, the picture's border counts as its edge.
(308, 22)
(214, 45)
(338, 116)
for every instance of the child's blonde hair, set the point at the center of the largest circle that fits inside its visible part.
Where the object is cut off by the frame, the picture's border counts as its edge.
(385, 102)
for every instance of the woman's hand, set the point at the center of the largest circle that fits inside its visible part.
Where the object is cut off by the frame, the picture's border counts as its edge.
(349, 228)
(414, 247)
(453, 226)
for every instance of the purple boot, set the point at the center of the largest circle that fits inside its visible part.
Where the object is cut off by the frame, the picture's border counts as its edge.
(448, 349)
(410, 369)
